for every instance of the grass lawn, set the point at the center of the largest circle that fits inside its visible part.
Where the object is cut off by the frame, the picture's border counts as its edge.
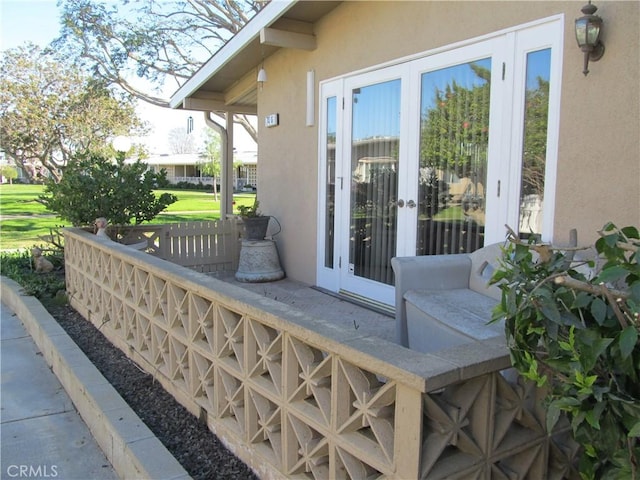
(21, 200)
(25, 221)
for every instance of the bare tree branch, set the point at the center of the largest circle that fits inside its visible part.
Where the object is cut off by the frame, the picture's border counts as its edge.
(156, 41)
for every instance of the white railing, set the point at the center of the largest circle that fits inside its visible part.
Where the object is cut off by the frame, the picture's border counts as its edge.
(298, 397)
(202, 246)
(194, 180)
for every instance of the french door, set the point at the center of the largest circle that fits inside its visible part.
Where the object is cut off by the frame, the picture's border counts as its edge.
(372, 154)
(435, 155)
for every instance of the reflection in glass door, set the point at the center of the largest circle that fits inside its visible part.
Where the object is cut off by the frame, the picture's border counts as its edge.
(375, 143)
(436, 155)
(452, 176)
(534, 144)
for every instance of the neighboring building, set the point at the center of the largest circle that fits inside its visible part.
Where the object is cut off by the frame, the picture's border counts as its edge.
(245, 175)
(183, 167)
(187, 167)
(405, 128)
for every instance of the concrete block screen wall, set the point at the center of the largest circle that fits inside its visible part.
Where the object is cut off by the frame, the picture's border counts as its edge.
(295, 396)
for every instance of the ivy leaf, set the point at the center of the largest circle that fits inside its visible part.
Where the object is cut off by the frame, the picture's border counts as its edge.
(590, 450)
(611, 240)
(593, 345)
(566, 404)
(635, 430)
(630, 231)
(582, 300)
(611, 274)
(549, 308)
(599, 310)
(567, 347)
(585, 384)
(593, 416)
(497, 276)
(628, 340)
(532, 374)
(553, 414)
(509, 301)
(600, 245)
(598, 393)
(497, 314)
(521, 253)
(570, 320)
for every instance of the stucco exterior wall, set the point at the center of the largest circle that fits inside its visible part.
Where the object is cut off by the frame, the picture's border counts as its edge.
(598, 175)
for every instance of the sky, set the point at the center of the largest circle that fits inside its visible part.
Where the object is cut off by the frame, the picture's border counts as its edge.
(38, 21)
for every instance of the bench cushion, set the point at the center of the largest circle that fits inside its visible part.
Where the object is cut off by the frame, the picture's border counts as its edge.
(446, 318)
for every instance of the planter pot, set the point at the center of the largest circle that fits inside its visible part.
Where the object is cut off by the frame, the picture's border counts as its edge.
(255, 228)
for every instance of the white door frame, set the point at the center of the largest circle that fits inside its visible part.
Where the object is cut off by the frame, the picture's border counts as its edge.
(508, 50)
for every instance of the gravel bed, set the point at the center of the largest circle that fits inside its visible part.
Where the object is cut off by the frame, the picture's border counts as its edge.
(189, 440)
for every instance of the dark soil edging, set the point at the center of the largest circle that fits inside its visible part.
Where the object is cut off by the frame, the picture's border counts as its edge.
(189, 440)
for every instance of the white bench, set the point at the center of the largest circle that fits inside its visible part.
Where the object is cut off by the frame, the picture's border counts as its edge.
(443, 301)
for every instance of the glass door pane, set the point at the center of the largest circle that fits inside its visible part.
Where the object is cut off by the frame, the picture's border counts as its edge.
(454, 138)
(534, 150)
(375, 143)
(330, 174)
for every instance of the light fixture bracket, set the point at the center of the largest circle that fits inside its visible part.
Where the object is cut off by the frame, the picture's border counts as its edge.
(588, 29)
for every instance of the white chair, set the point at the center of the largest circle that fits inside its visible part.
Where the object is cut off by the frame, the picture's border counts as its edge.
(444, 300)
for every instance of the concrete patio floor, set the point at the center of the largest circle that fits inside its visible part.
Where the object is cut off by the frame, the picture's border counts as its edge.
(320, 304)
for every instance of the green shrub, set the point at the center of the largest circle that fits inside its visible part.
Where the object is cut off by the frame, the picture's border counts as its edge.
(250, 211)
(193, 186)
(18, 266)
(95, 186)
(574, 327)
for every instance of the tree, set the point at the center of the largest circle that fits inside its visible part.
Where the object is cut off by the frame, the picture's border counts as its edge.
(212, 154)
(50, 111)
(8, 172)
(95, 186)
(156, 41)
(180, 141)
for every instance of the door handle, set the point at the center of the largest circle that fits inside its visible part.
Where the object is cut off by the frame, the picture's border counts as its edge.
(411, 204)
(400, 203)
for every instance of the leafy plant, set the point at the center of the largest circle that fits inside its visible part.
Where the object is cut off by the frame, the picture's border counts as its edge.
(250, 210)
(573, 326)
(95, 186)
(18, 266)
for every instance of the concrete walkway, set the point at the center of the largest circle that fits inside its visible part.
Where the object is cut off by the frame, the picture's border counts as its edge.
(60, 418)
(42, 434)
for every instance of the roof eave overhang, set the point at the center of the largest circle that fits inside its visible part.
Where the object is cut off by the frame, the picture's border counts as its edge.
(227, 81)
(249, 34)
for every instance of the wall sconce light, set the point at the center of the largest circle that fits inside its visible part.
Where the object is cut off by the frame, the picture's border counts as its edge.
(262, 75)
(588, 35)
(311, 101)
